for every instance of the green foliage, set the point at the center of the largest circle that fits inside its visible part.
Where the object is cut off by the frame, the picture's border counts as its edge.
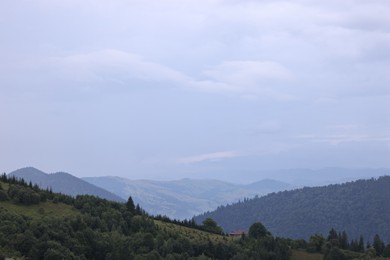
(210, 225)
(23, 195)
(378, 245)
(3, 195)
(87, 227)
(353, 207)
(130, 205)
(257, 231)
(386, 251)
(316, 242)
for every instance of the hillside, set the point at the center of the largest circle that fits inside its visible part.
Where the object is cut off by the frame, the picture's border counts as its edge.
(40, 224)
(87, 227)
(64, 183)
(360, 208)
(184, 198)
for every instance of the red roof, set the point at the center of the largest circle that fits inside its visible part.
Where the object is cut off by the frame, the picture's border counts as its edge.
(238, 232)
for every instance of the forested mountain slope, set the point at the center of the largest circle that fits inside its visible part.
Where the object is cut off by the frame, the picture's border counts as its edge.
(39, 224)
(360, 208)
(64, 183)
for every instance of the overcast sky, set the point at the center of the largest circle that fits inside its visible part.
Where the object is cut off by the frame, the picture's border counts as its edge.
(194, 89)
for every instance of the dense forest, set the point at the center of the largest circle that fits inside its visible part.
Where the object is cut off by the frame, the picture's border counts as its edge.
(40, 224)
(360, 208)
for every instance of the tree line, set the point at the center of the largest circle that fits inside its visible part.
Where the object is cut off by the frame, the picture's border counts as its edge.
(102, 229)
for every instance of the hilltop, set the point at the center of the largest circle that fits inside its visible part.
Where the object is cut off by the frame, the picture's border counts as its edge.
(63, 182)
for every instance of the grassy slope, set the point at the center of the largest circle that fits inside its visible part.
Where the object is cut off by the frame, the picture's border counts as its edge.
(198, 235)
(50, 209)
(303, 255)
(46, 209)
(192, 234)
(43, 209)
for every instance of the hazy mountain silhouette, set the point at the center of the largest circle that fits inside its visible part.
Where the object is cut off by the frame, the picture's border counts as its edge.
(64, 183)
(184, 198)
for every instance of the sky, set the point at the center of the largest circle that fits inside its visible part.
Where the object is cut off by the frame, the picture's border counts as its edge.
(194, 89)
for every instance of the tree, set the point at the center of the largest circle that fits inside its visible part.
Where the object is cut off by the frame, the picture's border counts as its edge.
(386, 251)
(343, 240)
(333, 237)
(315, 243)
(3, 195)
(378, 245)
(257, 230)
(210, 225)
(361, 244)
(130, 205)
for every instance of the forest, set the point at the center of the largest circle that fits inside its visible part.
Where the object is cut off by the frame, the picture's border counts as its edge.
(360, 208)
(40, 224)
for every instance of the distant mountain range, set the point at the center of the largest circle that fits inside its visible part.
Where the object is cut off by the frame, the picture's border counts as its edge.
(324, 176)
(360, 208)
(188, 197)
(178, 199)
(184, 198)
(64, 183)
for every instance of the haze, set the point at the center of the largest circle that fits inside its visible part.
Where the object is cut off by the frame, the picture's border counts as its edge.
(194, 89)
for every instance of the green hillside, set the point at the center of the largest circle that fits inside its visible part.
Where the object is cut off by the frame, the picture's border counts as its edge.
(360, 208)
(40, 224)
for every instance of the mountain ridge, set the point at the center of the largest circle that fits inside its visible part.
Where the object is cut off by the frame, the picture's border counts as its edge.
(182, 198)
(63, 182)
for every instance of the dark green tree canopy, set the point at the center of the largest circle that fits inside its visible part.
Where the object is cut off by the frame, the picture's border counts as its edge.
(130, 205)
(210, 225)
(257, 230)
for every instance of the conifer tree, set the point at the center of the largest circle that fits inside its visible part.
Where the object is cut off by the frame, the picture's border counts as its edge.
(130, 205)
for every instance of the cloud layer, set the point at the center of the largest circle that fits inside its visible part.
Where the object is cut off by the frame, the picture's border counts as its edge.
(134, 87)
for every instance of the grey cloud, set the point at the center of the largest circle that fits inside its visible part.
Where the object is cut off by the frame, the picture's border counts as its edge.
(155, 81)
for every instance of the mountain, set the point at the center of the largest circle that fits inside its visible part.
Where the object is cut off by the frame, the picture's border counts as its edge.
(360, 208)
(38, 224)
(268, 186)
(324, 176)
(184, 198)
(188, 197)
(64, 183)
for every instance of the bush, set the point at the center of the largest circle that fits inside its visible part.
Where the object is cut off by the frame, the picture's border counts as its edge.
(335, 254)
(3, 196)
(23, 195)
